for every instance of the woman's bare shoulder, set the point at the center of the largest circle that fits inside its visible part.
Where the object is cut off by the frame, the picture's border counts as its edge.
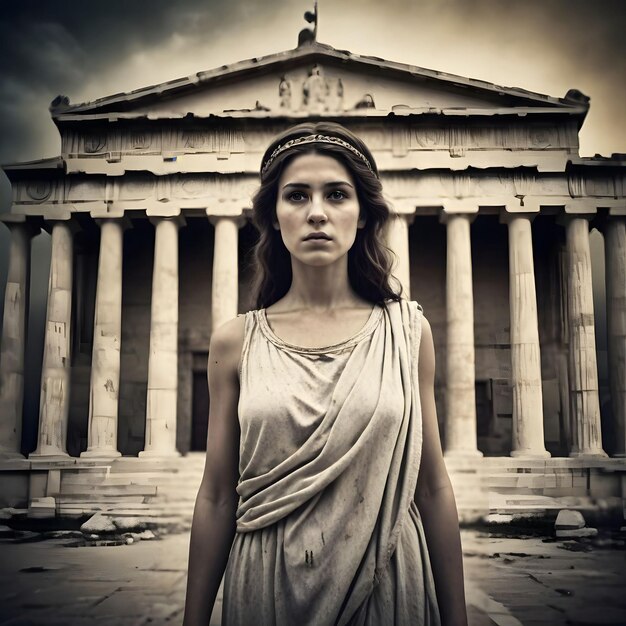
(227, 341)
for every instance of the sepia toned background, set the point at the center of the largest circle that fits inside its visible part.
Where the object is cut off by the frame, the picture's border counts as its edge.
(90, 50)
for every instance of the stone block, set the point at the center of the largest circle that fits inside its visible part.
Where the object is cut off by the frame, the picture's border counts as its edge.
(577, 532)
(53, 484)
(564, 480)
(41, 508)
(568, 519)
(549, 481)
(38, 482)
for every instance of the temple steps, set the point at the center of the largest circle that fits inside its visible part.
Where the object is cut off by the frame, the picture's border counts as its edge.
(164, 490)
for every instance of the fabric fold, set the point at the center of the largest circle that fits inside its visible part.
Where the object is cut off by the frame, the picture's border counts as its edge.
(329, 458)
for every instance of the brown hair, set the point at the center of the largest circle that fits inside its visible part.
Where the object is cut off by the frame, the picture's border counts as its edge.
(369, 259)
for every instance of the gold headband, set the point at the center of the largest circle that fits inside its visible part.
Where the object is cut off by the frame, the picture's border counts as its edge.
(315, 139)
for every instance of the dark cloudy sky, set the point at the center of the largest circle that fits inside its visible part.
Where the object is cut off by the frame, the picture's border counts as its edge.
(87, 50)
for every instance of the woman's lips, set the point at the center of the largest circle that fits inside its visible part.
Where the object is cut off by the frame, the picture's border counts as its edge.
(317, 237)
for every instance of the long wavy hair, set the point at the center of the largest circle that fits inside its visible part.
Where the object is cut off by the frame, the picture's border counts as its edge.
(369, 259)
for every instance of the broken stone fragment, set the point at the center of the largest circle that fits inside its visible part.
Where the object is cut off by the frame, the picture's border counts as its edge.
(126, 524)
(98, 524)
(499, 518)
(64, 534)
(568, 519)
(145, 535)
(577, 532)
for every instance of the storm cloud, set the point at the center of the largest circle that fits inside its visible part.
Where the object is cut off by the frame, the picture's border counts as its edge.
(87, 50)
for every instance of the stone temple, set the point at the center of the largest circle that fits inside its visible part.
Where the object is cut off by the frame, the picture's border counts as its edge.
(148, 207)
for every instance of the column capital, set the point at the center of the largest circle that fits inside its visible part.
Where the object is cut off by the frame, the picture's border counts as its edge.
(27, 227)
(446, 215)
(179, 220)
(563, 219)
(506, 217)
(72, 225)
(240, 219)
(123, 222)
(618, 211)
(606, 219)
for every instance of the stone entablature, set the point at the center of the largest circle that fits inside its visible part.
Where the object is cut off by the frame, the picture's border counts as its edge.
(581, 190)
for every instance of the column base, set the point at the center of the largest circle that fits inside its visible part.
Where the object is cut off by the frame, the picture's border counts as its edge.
(52, 455)
(591, 454)
(530, 454)
(159, 454)
(99, 453)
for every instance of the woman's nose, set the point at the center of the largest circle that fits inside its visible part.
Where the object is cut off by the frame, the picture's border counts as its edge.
(316, 211)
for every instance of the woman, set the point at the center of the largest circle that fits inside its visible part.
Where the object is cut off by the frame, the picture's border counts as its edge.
(325, 498)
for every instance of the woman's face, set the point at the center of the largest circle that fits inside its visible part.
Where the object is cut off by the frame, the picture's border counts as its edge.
(316, 194)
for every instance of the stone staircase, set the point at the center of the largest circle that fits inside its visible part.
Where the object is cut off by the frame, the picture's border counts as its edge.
(155, 491)
(540, 488)
(163, 492)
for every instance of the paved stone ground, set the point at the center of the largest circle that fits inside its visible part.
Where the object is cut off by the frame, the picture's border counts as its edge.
(509, 581)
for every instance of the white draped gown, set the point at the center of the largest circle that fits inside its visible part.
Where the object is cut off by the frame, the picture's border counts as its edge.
(328, 532)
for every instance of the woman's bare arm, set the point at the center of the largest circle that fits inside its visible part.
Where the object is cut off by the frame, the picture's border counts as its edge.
(213, 526)
(435, 498)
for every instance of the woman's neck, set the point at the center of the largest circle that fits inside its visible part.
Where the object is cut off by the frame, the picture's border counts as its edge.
(320, 288)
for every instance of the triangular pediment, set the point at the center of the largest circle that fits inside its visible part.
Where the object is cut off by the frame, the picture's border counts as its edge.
(316, 79)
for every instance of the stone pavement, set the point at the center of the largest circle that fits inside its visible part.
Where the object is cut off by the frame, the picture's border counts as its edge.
(509, 582)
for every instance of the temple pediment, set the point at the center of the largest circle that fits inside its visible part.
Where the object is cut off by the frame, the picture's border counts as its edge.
(317, 79)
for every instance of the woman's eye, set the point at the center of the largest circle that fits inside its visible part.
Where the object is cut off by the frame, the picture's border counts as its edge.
(297, 196)
(337, 195)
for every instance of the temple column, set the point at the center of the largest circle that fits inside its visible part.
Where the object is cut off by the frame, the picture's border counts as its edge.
(615, 262)
(163, 359)
(398, 241)
(225, 281)
(105, 363)
(55, 376)
(461, 438)
(13, 347)
(527, 435)
(585, 427)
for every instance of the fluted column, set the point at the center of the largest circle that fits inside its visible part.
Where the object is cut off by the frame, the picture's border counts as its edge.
(615, 263)
(585, 427)
(225, 281)
(160, 438)
(528, 436)
(398, 241)
(55, 375)
(460, 432)
(107, 335)
(13, 345)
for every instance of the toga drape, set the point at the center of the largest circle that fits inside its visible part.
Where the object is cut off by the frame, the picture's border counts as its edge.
(327, 529)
